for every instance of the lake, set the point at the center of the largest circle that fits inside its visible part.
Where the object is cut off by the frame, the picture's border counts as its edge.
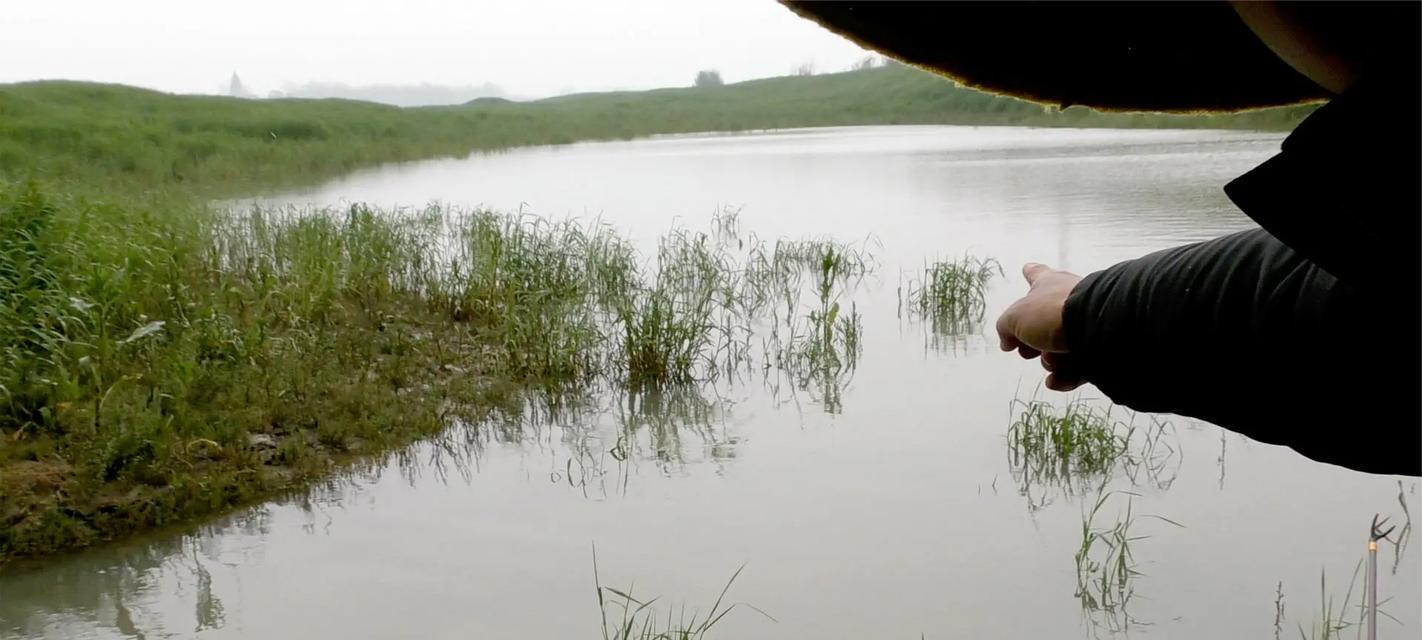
(887, 506)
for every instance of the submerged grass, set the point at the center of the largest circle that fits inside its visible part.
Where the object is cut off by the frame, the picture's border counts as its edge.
(164, 361)
(1106, 568)
(1079, 448)
(626, 617)
(951, 295)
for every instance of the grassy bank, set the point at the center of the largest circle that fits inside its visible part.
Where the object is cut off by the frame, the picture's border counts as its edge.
(162, 361)
(123, 137)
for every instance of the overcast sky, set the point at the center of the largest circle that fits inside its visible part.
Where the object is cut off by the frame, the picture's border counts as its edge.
(527, 47)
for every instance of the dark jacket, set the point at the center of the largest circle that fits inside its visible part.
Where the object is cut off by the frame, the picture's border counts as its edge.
(1304, 332)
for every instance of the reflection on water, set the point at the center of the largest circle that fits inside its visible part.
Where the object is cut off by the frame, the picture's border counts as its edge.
(1079, 450)
(860, 466)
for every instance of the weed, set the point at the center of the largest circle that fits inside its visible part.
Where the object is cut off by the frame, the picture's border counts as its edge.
(1078, 448)
(951, 295)
(1105, 566)
(636, 619)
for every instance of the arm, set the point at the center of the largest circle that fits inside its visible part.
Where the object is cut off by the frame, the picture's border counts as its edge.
(1243, 332)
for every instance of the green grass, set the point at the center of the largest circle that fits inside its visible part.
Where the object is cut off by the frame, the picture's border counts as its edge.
(1078, 448)
(1075, 440)
(951, 295)
(626, 617)
(1106, 567)
(117, 138)
(160, 360)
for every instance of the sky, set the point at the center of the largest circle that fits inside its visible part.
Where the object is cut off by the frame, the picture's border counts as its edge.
(530, 48)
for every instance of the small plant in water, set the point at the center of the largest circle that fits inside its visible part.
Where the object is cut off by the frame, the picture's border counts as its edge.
(632, 618)
(952, 294)
(1079, 448)
(1105, 567)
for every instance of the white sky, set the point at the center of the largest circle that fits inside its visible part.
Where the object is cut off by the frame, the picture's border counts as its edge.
(527, 47)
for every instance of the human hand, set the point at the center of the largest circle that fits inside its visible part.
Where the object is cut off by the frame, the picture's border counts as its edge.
(1033, 325)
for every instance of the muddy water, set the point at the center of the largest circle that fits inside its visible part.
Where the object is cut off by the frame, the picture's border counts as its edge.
(884, 507)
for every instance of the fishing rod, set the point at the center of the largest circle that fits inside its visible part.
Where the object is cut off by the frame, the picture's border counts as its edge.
(1375, 533)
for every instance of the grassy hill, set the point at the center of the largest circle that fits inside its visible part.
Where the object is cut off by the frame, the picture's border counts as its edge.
(59, 130)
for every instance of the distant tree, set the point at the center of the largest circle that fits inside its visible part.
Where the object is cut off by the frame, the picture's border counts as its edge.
(805, 69)
(235, 88)
(708, 78)
(865, 63)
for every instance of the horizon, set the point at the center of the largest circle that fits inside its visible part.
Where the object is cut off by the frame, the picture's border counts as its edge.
(520, 51)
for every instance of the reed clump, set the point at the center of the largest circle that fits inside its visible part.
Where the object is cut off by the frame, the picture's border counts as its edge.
(164, 359)
(951, 295)
(1079, 448)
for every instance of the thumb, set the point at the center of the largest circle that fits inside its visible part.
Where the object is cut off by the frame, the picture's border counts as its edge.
(1033, 270)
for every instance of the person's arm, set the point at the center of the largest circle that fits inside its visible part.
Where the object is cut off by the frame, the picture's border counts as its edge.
(1240, 331)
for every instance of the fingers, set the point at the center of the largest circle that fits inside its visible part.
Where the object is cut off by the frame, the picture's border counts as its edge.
(1059, 382)
(1032, 270)
(1061, 376)
(1006, 329)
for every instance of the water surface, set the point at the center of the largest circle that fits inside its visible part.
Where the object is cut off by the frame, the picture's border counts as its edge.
(889, 513)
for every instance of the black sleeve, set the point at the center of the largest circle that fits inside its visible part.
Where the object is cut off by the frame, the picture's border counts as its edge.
(1244, 332)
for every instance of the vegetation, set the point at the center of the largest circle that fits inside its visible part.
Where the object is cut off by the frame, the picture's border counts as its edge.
(1079, 449)
(1105, 566)
(708, 78)
(950, 294)
(126, 137)
(162, 360)
(625, 617)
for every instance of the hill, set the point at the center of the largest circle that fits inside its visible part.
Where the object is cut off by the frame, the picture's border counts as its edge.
(59, 129)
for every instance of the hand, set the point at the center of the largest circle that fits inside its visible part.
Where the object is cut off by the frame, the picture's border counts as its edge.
(1033, 324)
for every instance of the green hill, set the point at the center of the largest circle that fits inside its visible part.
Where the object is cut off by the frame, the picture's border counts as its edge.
(58, 129)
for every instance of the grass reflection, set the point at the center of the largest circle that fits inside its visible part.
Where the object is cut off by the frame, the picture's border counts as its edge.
(1106, 566)
(1079, 449)
(949, 297)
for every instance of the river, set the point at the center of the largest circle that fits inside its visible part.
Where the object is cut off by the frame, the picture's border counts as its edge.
(887, 507)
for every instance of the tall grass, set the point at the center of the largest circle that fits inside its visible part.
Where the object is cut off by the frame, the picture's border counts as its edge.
(951, 294)
(1106, 567)
(1078, 448)
(626, 617)
(166, 360)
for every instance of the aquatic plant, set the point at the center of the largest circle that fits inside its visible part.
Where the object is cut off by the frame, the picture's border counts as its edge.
(1105, 565)
(1079, 448)
(951, 295)
(632, 618)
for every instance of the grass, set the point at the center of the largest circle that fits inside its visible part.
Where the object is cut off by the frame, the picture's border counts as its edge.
(161, 360)
(1078, 448)
(1332, 621)
(625, 617)
(157, 364)
(950, 295)
(1106, 566)
(57, 130)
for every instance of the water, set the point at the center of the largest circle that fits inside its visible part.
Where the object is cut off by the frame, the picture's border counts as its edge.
(888, 514)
